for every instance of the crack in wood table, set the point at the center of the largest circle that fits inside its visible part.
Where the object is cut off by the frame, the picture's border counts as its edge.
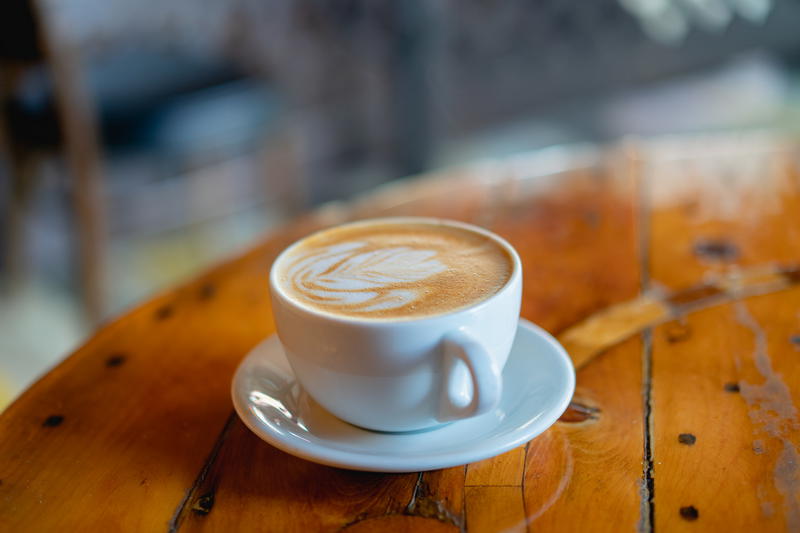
(669, 268)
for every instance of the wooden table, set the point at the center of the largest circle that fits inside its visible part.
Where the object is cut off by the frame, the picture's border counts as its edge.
(669, 269)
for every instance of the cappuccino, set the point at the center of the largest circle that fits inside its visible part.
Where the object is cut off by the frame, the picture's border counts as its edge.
(391, 269)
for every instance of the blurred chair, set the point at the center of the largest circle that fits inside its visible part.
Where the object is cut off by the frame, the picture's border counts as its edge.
(83, 75)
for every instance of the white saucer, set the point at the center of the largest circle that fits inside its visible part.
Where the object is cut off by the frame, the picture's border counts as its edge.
(539, 380)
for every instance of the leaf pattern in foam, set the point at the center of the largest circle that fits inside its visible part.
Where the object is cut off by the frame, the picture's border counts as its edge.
(343, 275)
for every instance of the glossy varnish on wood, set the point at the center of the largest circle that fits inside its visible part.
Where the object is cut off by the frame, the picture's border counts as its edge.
(684, 414)
(726, 381)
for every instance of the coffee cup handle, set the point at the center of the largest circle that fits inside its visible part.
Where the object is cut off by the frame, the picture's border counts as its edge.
(483, 371)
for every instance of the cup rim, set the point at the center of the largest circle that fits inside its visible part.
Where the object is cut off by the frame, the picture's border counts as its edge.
(516, 272)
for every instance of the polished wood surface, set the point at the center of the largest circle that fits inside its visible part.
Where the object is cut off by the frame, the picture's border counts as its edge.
(668, 268)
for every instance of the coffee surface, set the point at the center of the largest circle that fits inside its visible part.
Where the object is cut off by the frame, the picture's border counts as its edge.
(393, 270)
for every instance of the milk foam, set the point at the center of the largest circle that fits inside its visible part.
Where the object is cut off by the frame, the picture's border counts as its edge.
(345, 274)
(394, 270)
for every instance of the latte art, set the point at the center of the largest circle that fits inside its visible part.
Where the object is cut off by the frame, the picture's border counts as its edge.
(346, 275)
(394, 269)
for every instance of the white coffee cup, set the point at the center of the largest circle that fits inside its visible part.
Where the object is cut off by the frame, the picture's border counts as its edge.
(407, 373)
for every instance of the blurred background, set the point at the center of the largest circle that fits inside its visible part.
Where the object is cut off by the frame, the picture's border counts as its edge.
(142, 141)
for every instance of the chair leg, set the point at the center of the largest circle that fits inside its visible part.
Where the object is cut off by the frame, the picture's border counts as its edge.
(81, 143)
(21, 184)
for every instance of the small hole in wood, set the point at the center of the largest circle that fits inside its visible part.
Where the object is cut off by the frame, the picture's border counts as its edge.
(677, 332)
(116, 360)
(690, 513)
(207, 291)
(716, 250)
(164, 312)
(53, 421)
(204, 504)
(731, 387)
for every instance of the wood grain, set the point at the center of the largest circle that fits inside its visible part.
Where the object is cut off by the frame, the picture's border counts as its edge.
(130, 418)
(590, 472)
(724, 380)
(274, 491)
(440, 494)
(493, 493)
(135, 430)
(504, 470)
(579, 246)
(181, 348)
(604, 329)
(495, 509)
